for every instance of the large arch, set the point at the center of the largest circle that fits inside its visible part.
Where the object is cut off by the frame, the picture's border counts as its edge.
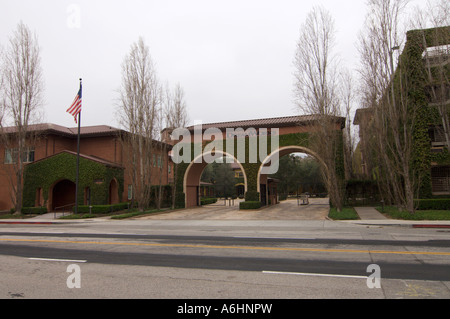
(280, 152)
(191, 181)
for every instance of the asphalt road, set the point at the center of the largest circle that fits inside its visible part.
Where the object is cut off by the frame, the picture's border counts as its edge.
(238, 254)
(189, 259)
(285, 252)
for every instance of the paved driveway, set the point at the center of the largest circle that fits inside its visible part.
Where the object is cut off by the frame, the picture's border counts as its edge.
(286, 210)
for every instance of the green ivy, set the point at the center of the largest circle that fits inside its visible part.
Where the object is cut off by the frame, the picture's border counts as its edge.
(45, 173)
(417, 98)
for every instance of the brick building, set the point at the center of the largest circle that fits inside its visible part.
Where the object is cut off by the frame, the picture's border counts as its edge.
(50, 167)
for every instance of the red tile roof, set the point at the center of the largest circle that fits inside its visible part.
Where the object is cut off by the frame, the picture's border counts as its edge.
(268, 122)
(104, 130)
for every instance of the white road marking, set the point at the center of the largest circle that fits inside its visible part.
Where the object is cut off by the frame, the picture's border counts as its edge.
(312, 274)
(287, 238)
(63, 260)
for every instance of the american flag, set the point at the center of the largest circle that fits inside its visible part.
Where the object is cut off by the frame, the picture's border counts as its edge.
(75, 108)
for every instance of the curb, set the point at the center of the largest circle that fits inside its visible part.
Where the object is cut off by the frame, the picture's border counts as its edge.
(430, 226)
(27, 223)
(385, 223)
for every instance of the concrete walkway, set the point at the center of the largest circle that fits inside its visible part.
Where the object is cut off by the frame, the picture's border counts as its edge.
(285, 210)
(51, 215)
(369, 213)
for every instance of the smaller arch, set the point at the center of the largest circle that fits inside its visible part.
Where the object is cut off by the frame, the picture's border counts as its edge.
(282, 151)
(113, 195)
(62, 195)
(193, 174)
(39, 200)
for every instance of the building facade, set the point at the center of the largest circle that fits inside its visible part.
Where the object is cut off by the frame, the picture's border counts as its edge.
(432, 92)
(50, 167)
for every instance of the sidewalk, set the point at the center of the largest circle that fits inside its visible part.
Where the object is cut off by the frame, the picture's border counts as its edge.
(370, 216)
(369, 213)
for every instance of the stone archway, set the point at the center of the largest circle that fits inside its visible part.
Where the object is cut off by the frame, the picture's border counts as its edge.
(285, 134)
(191, 182)
(280, 152)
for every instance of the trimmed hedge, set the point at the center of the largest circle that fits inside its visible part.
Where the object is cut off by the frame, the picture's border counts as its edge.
(34, 210)
(433, 204)
(101, 209)
(251, 196)
(249, 205)
(208, 201)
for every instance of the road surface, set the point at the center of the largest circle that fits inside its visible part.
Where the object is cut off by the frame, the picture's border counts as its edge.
(232, 259)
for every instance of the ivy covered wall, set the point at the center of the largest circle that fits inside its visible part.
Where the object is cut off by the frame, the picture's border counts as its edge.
(417, 95)
(251, 169)
(95, 175)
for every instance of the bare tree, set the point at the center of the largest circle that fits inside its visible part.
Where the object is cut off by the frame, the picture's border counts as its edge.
(316, 90)
(176, 117)
(385, 90)
(348, 95)
(21, 96)
(140, 99)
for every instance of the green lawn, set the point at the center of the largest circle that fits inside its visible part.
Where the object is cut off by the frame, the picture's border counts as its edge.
(12, 216)
(347, 213)
(394, 213)
(115, 215)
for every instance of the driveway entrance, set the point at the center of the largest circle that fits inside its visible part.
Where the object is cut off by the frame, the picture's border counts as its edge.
(287, 210)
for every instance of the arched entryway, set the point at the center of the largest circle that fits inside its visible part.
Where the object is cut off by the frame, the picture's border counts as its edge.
(264, 186)
(191, 183)
(62, 195)
(113, 197)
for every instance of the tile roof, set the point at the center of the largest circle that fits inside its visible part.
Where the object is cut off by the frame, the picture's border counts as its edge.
(86, 131)
(267, 123)
(70, 132)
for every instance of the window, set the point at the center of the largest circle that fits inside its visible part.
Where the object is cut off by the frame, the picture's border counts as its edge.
(440, 180)
(29, 156)
(436, 134)
(438, 93)
(130, 192)
(11, 155)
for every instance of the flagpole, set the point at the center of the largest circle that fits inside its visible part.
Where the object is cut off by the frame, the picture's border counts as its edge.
(78, 157)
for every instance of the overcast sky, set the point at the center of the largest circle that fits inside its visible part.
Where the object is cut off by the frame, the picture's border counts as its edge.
(233, 58)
